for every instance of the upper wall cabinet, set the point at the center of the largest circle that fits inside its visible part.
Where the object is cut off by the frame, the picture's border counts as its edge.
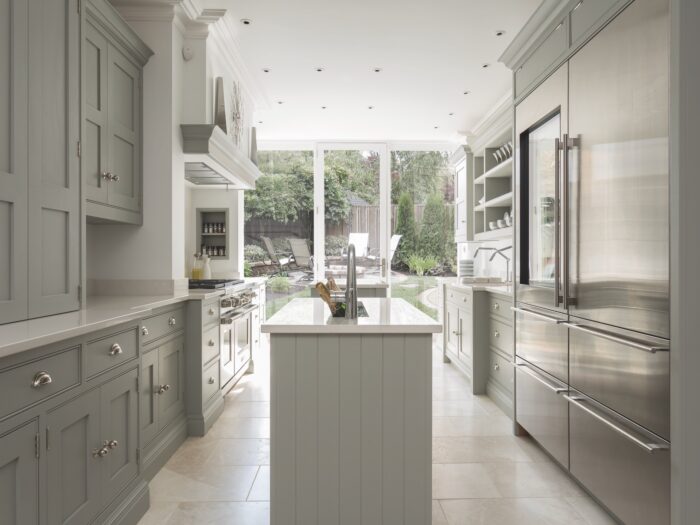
(39, 163)
(113, 59)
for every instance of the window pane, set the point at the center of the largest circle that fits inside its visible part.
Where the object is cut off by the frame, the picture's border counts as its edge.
(279, 225)
(352, 214)
(422, 243)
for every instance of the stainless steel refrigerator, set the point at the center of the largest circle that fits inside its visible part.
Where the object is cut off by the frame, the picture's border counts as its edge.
(592, 268)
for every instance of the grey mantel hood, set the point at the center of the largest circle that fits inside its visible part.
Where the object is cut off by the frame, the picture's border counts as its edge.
(212, 159)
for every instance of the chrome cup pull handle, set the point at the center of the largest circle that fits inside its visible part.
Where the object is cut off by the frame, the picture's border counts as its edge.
(144, 330)
(116, 349)
(172, 321)
(41, 378)
(211, 381)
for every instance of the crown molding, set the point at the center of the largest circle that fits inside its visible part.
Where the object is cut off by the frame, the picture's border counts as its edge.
(496, 123)
(146, 11)
(539, 25)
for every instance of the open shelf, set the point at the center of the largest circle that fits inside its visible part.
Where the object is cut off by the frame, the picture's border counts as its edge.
(214, 244)
(502, 201)
(502, 170)
(492, 235)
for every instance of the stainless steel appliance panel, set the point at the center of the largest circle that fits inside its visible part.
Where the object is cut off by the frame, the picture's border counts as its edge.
(227, 353)
(619, 172)
(633, 482)
(627, 373)
(541, 409)
(542, 340)
(540, 120)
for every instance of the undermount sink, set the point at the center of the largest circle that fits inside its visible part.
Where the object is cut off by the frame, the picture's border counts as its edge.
(361, 310)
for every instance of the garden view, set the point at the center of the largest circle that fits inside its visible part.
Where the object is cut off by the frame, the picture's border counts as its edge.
(279, 223)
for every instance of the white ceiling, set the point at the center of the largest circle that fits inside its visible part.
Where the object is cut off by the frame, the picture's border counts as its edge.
(430, 52)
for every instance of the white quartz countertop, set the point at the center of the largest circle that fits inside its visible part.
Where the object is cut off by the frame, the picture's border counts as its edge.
(502, 289)
(361, 283)
(386, 316)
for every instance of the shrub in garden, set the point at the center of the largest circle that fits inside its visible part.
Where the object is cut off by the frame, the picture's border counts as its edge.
(279, 284)
(419, 264)
(433, 235)
(406, 227)
(335, 245)
(254, 253)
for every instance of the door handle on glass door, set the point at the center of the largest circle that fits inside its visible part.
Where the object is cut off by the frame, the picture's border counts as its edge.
(557, 219)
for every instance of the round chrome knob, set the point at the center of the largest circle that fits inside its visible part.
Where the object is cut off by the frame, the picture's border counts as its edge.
(496, 306)
(100, 452)
(116, 349)
(144, 330)
(211, 381)
(161, 390)
(171, 321)
(113, 443)
(114, 178)
(106, 175)
(166, 387)
(211, 342)
(496, 333)
(41, 378)
(211, 311)
(496, 367)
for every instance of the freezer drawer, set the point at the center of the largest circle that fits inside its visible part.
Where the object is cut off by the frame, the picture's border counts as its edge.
(634, 483)
(540, 408)
(626, 372)
(542, 340)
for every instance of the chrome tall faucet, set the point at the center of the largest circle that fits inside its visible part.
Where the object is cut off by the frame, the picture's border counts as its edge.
(500, 252)
(351, 285)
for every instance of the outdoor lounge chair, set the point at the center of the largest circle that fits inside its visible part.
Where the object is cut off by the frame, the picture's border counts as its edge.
(302, 258)
(277, 258)
(361, 242)
(393, 245)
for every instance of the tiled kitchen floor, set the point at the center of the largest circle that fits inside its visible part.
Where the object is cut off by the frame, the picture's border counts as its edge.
(482, 474)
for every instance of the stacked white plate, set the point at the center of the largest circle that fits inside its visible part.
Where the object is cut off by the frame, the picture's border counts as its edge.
(466, 268)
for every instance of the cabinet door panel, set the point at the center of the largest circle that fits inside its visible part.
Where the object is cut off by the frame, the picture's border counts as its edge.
(171, 372)
(94, 153)
(19, 477)
(148, 397)
(452, 327)
(123, 93)
(53, 167)
(13, 160)
(466, 337)
(73, 473)
(119, 413)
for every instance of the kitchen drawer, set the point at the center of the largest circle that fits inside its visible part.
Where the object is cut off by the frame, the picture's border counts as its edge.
(161, 325)
(629, 380)
(30, 383)
(113, 350)
(210, 343)
(499, 307)
(501, 336)
(542, 339)
(541, 59)
(632, 482)
(588, 14)
(542, 410)
(210, 313)
(459, 297)
(210, 381)
(501, 371)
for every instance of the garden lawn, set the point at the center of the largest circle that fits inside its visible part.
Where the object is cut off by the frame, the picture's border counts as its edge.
(411, 289)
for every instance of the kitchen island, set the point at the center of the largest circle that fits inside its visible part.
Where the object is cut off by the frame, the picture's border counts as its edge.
(351, 414)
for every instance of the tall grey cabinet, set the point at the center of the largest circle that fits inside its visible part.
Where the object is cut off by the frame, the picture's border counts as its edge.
(113, 59)
(39, 163)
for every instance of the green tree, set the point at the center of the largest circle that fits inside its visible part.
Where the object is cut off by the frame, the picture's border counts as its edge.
(420, 173)
(406, 227)
(432, 237)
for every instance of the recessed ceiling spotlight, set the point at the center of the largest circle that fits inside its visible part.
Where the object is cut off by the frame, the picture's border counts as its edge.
(370, 107)
(266, 70)
(280, 102)
(324, 107)
(319, 70)
(500, 32)
(377, 69)
(452, 114)
(466, 93)
(260, 121)
(246, 21)
(437, 127)
(485, 65)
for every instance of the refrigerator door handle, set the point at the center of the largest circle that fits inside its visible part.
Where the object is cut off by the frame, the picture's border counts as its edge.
(537, 377)
(603, 334)
(649, 447)
(565, 219)
(557, 219)
(537, 314)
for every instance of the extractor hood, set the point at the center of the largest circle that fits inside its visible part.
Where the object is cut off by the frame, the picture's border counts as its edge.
(212, 159)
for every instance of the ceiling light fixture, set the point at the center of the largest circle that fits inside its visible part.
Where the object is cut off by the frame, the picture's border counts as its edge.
(266, 70)
(500, 32)
(260, 121)
(246, 21)
(280, 102)
(436, 127)
(466, 93)
(370, 107)
(324, 107)
(377, 70)
(452, 114)
(485, 65)
(319, 70)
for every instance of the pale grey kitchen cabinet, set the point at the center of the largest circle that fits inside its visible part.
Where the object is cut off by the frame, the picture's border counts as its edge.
(113, 60)
(162, 393)
(39, 184)
(92, 444)
(19, 475)
(73, 473)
